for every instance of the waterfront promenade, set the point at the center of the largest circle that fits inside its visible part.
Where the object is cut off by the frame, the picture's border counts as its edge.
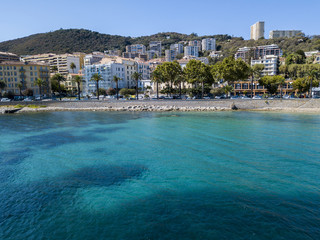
(292, 105)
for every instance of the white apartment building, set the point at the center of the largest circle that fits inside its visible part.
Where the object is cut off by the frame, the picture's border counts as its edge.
(107, 71)
(144, 69)
(191, 51)
(93, 58)
(153, 54)
(178, 48)
(208, 44)
(284, 33)
(257, 31)
(156, 46)
(270, 63)
(136, 48)
(170, 55)
(196, 43)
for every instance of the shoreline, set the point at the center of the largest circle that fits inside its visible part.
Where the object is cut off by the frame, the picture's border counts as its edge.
(291, 106)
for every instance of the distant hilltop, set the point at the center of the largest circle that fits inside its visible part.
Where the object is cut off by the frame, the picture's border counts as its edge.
(81, 40)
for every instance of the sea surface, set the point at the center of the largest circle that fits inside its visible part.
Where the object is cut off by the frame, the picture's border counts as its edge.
(105, 175)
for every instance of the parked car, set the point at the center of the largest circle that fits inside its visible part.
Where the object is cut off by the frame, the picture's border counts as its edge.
(257, 97)
(5, 100)
(206, 98)
(234, 97)
(245, 97)
(28, 99)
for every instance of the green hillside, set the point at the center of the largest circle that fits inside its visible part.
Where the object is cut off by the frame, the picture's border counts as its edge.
(81, 40)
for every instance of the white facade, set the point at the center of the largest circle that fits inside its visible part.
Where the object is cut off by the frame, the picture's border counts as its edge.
(270, 63)
(107, 71)
(91, 59)
(284, 33)
(170, 55)
(156, 46)
(136, 48)
(153, 54)
(144, 69)
(196, 43)
(208, 44)
(178, 48)
(191, 51)
(257, 31)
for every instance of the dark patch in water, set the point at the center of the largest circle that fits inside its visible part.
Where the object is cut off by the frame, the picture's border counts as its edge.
(28, 199)
(50, 140)
(102, 175)
(14, 156)
(104, 130)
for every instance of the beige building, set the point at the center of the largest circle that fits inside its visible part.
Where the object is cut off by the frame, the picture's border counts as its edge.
(26, 73)
(6, 56)
(61, 61)
(257, 31)
(284, 33)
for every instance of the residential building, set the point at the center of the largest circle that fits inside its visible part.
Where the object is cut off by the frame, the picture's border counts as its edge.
(208, 44)
(136, 48)
(244, 88)
(284, 33)
(70, 85)
(257, 31)
(156, 46)
(106, 71)
(61, 61)
(196, 43)
(170, 55)
(178, 48)
(216, 54)
(262, 51)
(153, 54)
(311, 53)
(113, 53)
(6, 56)
(93, 58)
(135, 55)
(26, 73)
(271, 64)
(191, 51)
(205, 60)
(144, 69)
(247, 53)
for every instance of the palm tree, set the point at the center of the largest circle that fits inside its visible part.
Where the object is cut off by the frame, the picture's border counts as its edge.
(20, 86)
(137, 76)
(116, 80)
(97, 77)
(2, 86)
(59, 78)
(255, 72)
(73, 66)
(157, 78)
(40, 82)
(78, 80)
(311, 75)
(54, 69)
(227, 89)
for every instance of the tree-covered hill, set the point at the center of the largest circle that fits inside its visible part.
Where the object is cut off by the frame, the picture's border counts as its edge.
(81, 40)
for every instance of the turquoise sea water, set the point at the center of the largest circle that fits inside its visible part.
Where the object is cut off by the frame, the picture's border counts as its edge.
(100, 175)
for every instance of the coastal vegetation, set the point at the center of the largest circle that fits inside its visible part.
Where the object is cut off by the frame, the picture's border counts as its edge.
(81, 40)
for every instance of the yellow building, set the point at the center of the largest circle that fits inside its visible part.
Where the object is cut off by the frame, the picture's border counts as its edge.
(26, 73)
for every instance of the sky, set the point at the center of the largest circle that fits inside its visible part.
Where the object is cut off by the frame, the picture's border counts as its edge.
(145, 17)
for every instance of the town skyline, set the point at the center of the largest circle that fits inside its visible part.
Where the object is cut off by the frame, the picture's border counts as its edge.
(185, 20)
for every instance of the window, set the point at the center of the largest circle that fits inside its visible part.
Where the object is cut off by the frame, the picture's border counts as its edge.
(31, 68)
